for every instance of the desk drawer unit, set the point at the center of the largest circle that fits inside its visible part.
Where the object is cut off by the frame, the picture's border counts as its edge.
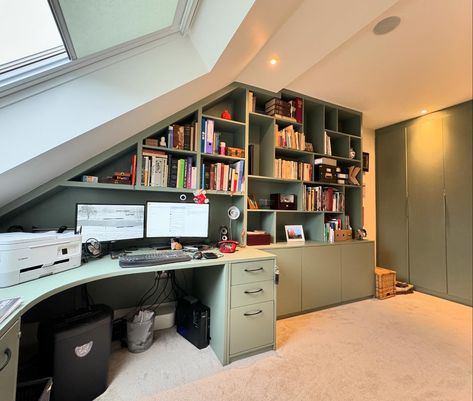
(251, 327)
(9, 344)
(252, 293)
(250, 272)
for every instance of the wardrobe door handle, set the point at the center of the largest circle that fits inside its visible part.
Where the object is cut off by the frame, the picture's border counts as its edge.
(7, 353)
(254, 270)
(253, 291)
(253, 313)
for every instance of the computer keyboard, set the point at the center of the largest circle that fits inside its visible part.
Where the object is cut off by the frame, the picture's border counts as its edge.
(153, 258)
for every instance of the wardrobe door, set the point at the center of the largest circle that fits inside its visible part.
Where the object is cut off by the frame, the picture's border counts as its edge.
(391, 205)
(426, 208)
(458, 178)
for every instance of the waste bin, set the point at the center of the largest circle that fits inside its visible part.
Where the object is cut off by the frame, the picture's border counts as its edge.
(139, 330)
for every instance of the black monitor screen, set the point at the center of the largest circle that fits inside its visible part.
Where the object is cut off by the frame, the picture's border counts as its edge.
(168, 219)
(106, 222)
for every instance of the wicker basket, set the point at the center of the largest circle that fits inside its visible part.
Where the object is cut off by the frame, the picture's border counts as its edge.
(385, 283)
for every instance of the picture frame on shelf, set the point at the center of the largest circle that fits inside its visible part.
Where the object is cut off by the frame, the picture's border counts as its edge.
(252, 203)
(294, 233)
(366, 162)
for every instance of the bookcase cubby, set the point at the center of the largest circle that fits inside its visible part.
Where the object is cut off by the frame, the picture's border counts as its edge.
(245, 127)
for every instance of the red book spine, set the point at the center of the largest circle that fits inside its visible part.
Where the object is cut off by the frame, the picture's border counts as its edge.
(133, 170)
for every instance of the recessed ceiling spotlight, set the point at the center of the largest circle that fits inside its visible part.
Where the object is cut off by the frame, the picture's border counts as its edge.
(386, 25)
(424, 111)
(273, 61)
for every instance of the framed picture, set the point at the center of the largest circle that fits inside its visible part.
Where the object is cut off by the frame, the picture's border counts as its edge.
(366, 162)
(252, 203)
(294, 233)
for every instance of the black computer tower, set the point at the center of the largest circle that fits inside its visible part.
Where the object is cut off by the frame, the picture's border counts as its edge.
(75, 351)
(193, 321)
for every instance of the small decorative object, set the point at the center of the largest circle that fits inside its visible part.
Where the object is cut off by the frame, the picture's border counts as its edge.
(175, 244)
(226, 115)
(199, 197)
(223, 147)
(352, 153)
(360, 234)
(309, 147)
(162, 142)
(366, 162)
(294, 233)
(252, 203)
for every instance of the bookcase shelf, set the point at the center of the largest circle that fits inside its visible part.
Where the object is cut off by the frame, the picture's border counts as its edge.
(252, 131)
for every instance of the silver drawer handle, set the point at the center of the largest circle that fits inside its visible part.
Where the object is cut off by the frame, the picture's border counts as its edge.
(253, 313)
(8, 355)
(254, 270)
(253, 291)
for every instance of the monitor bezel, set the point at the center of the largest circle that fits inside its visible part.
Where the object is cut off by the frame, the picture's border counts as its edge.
(177, 203)
(112, 204)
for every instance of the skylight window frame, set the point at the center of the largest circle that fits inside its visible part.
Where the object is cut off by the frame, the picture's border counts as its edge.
(57, 62)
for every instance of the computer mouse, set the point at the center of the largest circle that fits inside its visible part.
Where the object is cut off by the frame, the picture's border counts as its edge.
(197, 255)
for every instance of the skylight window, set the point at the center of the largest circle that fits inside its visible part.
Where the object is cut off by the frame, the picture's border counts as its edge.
(36, 35)
(28, 34)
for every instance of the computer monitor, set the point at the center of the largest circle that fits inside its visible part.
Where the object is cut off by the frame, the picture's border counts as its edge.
(169, 219)
(106, 222)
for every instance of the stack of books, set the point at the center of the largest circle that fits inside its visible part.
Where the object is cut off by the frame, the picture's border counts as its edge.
(289, 138)
(223, 177)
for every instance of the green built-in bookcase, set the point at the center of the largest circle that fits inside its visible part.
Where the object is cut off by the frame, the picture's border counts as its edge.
(251, 129)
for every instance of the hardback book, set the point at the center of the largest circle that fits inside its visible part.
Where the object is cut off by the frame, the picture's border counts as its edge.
(187, 137)
(326, 160)
(7, 306)
(209, 137)
(276, 101)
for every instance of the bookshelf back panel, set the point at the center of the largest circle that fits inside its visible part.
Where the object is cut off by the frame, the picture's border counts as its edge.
(234, 103)
(311, 222)
(117, 163)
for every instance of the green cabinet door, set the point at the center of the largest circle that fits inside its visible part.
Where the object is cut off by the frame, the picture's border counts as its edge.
(357, 270)
(391, 204)
(457, 138)
(427, 257)
(289, 288)
(9, 344)
(320, 276)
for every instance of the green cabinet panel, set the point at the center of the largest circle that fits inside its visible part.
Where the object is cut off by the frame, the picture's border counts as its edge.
(427, 258)
(320, 276)
(391, 204)
(457, 137)
(357, 261)
(9, 344)
(289, 288)
(251, 326)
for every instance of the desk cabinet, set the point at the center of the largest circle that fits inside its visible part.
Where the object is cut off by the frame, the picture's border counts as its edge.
(9, 344)
(251, 306)
(289, 288)
(321, 276)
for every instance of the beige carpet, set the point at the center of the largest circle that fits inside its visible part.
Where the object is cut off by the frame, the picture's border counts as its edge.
(411, 347)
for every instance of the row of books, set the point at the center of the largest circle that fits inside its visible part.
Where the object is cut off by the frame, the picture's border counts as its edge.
(223, 177)
(292, 110)
(335, 224)
(288, 169)
(184, 137)
(327, 144)
(323, 199)
(163, 170)
(289, 138)
(210, 139)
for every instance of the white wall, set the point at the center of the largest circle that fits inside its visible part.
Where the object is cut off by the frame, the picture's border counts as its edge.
(369, 182)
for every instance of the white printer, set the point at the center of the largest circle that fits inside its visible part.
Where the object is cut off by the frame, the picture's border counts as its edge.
(27, 256)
